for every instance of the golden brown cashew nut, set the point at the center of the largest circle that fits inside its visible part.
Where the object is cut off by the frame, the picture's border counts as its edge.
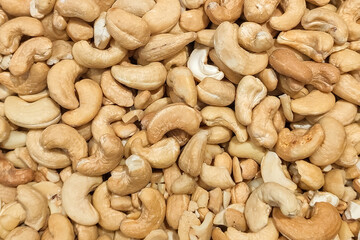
(90, 97)
(76, 201)
(59, 228)
(259, 11)
(219, 11)
(90, 57)
(258, 205)
(60, 80)
(325, 217)
(299, 143)
(105, 159)
(227, 48)
(268, 232)
(12, 177)
(187, 119)
(34, 49)
(349, 11)
(86, 10)
(254, 37)
(130, 178)
(152, 215)
(293, 12)
(115, 91)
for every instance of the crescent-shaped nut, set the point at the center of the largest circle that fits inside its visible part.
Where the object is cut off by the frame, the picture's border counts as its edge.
(90, 57)
(259, 11)
(315, 103)
(219, 11)
(254, 37)
(216, 93)
(345, 60)
(60, 81)
(86, 10)
(293, 12)
(233, 56)
(215, 177)
(348, 88)
(76, 201)
(23, 232)
(325, 217)
(269, 232)
(139, 8)
(349, 11)
(173, 116)
(299, 143)
(152, 215)
(149, 77)
(12, 177)
(38, 114)
(131, 177)
(59, 228)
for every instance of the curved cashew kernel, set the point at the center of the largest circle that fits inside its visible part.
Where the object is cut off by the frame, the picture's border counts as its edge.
(152, 215)
(90, 57)
(51, 159)
(233, 56)
(59, 228)
(314, 103)
(271, 171)
(229, 74)
(199, 68)
(205, 37)
(60, 50)
(75, 198)
(5, 129)
(126, 28)
(11, 215)
(224, 116)
(216, 177)
(51, 192)
(218, 134)
(261, 129)
(249, 92)
(268, 232)
(35, 205)
(346, 60)
(268, 78)
(38, 9)
(324, 75)
(60, 81)
(86, 10)
(115, 91)
(184, 184)
(139, 8)
(160, 155)
(257, 207)
(34, 49)
(12, 177)
(216, 93)
(130, 178)
(219, 11)
(162, 46)
(12, 31)
(246, 149)
(50, 31)
(187, 119)
(23, 232)
(317, 45)
(281, 59)
(90, 97)
(254, 37)
(325, 216)
(78, 30)
(101, 35)
(86, 232)
(348, 88)
(175, 206)
(335, 182)
(105, 159)
(38, 114)
(293, 12)
(349, 11)
(300, 143)
(163, 16)
(333, 145)
(327, 21)
(109, 218)
(181, 80)
(149, 77)
(65, 137)
(194, 20)
(192, 156)
(307, 175)
(259, 11)
(16, 139)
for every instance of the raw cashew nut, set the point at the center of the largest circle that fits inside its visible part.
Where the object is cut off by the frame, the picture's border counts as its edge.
(23, 232)
(101, 35)
(173, 116)
(233, 56)
(149, 77)
(219, 11)
(139, 8)
(349, 11)
(152, 215)
(348, 89)
(215, 177)
(59, 228)
(76, 201)
(269, 232)
(325, 217)
(258, 205)
(90, 57)
(38, 9)
(307, 175)
(315, 103)
(60, 50)
(259, 11)
(324, 75)
(216, 93)
(249, 92)
(254, 37)
(130, 178)
(86, 10)
(293, 12)
(345, 60)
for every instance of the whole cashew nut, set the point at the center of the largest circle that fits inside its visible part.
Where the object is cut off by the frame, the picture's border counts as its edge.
(219, 11)
(59, 228)
(349, 11)
(293, 12)
(86, 10)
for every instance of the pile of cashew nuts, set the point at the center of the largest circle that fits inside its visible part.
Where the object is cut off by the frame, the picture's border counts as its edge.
(179, 119)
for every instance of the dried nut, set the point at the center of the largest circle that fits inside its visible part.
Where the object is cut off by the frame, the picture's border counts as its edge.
(60, 50)
(249, 92)
(205, 37)
(261, 129)
(307, 175)
(38, 114)
(12, 177)
(226, 47)
(268, 232)
(175, 206)
(345, 60)
(148, 77)
(299, 143)
(258, 205)
(5, 129)
(23, 232)
(137, 8)
(348, 12)
(317, 45)
(254, 37)
(16, 139)
(78, 30)
(194, 20)
(59, 227)
(315, 103)
(246, 149)
(324, 75)
(216, 93)
(268, 78)
(87, 10)
(216, 177)
(219, 11)
(335, 182)
(259, 11)
(325, 215)
(218, 134)
(187, 119)
(348, 88)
